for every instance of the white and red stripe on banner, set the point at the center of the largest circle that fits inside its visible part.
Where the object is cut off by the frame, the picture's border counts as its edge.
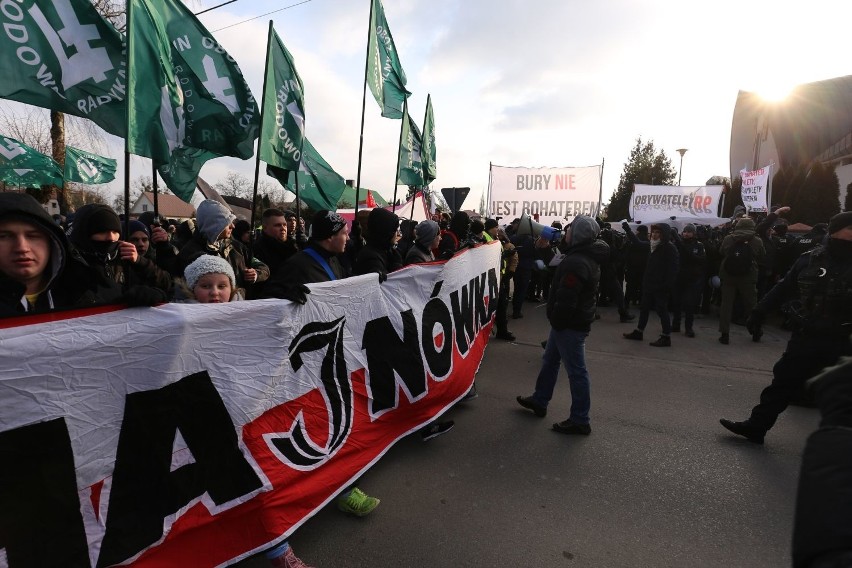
(196, 435)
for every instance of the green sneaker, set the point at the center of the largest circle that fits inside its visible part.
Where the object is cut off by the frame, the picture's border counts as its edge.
(357, 503)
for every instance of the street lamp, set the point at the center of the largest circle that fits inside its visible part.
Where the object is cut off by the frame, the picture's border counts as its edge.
(680, 151)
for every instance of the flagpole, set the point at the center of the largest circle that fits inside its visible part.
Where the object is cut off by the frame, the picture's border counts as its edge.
(126, 265)
(363, 110)
(257, 157)
(488, 191)
(154, 187)
(398, 148)
(413, 199)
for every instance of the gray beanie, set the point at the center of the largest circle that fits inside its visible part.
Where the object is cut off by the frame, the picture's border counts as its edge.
(689, 228)
(425, 232)
(212, 218)
(208, 264)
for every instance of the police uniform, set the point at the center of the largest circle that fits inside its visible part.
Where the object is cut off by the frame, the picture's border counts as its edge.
(816, 296)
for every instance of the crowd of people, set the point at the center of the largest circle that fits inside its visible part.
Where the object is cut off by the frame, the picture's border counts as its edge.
(747, 271)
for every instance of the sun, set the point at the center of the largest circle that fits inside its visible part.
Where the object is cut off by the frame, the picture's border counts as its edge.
(775, 89)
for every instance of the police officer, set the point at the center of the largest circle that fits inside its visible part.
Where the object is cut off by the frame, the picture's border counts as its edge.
(816, 294)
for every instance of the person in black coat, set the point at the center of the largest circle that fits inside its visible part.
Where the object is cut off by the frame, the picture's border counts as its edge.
(274, 245)
(657, 284)
(379, 254)
(690, 279)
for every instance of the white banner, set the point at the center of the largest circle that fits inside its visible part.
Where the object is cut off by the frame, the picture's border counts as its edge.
(755, 189)
(652, 203)
(548, 194)
(199, 434)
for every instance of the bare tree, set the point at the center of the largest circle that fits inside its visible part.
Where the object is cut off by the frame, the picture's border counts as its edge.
(235, 185)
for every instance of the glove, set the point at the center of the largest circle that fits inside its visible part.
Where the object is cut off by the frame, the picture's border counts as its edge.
(755, 321)
(509, 253)
(140, 295)
(298, 293)
(625, 225)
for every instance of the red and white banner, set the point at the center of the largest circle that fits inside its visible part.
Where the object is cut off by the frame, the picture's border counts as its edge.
(755, 189)
(545, 194)
(655, 203)
(197, 435)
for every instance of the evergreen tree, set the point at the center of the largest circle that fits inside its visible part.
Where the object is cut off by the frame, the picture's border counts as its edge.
(645, 165)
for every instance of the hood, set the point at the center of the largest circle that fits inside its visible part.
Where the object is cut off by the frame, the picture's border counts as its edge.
(584, 230)
(460, 225)
(743, 229)
(599, 251)
(212, 218)
(665, 231)
(25, 208)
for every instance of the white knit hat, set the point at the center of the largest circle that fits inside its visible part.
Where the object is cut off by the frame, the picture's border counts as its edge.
(208, 264)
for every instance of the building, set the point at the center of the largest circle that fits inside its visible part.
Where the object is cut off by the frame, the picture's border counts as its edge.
(169, 206)
(814, 122)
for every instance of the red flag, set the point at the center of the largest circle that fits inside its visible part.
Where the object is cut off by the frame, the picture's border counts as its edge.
(370, 201)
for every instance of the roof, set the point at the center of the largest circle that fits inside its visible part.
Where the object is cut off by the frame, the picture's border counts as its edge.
(169, 205)
(814, 121)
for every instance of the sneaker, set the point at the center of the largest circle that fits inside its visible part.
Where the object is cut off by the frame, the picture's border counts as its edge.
(288, 560)
(568, 427)
(745, 429)
(506, 335)
(528, 402)
(662, 341)
(357, 503)
(471, 394)
(635, 334)
(689, 333)
(724, 339)
(626, 317)
(435, 429)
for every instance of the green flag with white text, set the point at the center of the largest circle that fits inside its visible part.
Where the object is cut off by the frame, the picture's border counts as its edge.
(319, 185)
(218, 116)
(155, 117)
(62, 55)
(88, 168)
(410, 166)
(284, 109)
(24, 166)
(384, 70)
(428, 155)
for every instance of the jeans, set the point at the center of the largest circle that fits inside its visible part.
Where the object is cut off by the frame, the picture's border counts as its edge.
(568, 347)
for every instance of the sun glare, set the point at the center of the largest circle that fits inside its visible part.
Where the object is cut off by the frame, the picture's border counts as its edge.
(775, 92)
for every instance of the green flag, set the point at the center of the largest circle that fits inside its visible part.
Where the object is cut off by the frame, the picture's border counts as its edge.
(25, 167)
(64, 56)
(384, 71)
(284, 109)
(410, 167)
(427, 150)
(88, 168)
(155, 119)
(319, 185)
(217, 114)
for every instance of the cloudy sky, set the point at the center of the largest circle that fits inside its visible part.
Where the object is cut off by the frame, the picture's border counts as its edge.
(537, 82)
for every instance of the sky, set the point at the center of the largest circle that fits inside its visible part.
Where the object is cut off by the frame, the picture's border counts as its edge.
(554, 83)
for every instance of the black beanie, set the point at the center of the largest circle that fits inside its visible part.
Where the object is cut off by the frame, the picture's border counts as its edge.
(382, 227)
(490, 224)
(839, 221)
(92, 219)
(325, 224)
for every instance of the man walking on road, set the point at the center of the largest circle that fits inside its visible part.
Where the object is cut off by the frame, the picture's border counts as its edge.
(816, 295)
(571, 311)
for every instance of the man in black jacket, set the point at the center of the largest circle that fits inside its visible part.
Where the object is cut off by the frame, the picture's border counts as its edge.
(275, 245)
(33, 253)
(571, 311)
(690, 279)
(658, 281)
(379, 254)
(816, 296)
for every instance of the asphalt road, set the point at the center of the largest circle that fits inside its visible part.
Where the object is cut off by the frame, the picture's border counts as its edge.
(658, 483)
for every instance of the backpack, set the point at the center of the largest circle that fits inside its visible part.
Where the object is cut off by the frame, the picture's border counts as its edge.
(739, 258)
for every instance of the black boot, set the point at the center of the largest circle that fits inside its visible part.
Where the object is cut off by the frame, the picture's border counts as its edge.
(662, 341)
(745, 429)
